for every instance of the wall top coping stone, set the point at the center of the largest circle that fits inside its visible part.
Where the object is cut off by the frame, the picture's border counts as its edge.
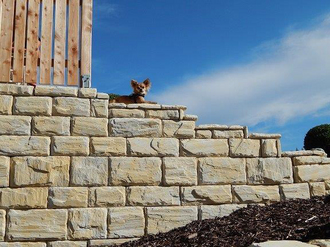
(304, 153)
(219, 127)
(146, 106)
(13, 89)
(190, 117)
(264, 136)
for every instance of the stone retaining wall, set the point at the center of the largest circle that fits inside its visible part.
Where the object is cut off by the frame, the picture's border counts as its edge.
(76, 171)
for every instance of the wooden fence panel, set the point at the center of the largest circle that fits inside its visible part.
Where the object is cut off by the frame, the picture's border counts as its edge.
(0, 14)
(73, 38)
(86, 37)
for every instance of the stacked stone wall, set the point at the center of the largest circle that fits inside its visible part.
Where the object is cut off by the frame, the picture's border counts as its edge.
(78, 171)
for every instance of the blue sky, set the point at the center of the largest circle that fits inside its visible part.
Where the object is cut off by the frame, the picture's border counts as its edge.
(260, 63)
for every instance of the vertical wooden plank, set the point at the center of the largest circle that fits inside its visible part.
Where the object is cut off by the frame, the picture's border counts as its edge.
(86, 37)
(6, 38)
(73, 51)
(46, 41)
(0, 14)
(59, 52)
(19, 45)
(32, 51)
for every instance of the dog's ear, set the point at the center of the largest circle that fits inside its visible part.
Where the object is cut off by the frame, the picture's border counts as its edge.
(147, 83)
(134, 83)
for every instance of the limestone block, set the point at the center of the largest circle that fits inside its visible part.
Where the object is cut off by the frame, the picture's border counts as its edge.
(213, 211)
(320, 242)
(67, 197)
(222, 171)
(107, 196)
(135, 127)
(294, 191)
(244, 148)
(51, 126)
(89, 171)
(269, 171)
(24, 145)
(264, 136)
(88, 126)
(70, 145)
(40, 171)
(87, 223)
(56, 91)
(14, 89)
(282, 243)
(327, 184)
(102, 96)
(189, 117)
(153, 147)
(163, 219)
(23, 198)
(126, 222)
(126, 113)
(304, 153)
(4, 171)
(210, 194)
(117, 105)
(15, 125)
(144, 106)
(109, 242)
(310, 160)
(33, 106)
(181, 129)
(204, 147)
(71, 107)
(6, 103)
(163, 114)
(269, 148)
(256, 194)
(108, 146)
(317, 188)
(2, 224)
(135, 171)
(153, 196)
(37, 224)
(99, 108)
(203, 134)
(67, 244)
(87, 92)
(180, 171)
(23, 244)
(226, 134)
(311, 173)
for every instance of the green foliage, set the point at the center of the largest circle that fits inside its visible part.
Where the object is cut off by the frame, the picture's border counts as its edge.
(318, 137)
(113, 96)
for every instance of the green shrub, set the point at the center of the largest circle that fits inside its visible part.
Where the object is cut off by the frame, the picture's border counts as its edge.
(318, 137)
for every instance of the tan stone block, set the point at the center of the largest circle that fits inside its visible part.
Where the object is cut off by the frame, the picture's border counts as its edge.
(153, 196)
(213, 211)
(67, 106)
(6, 104)
(310, 160)
(51, 126)
(23, 244)
(89, 171)
(180, 171)
(23, 198)
(181, 129)
(204, 147)
(70, 145)
(144, 106)
(126, 222)
(109, 242)
(327, 184)
(244, 148)
(14, 89)
(88, 126)
(87, 223)
(99, 108)
(40, 171)
(15, 125)
(56, 91)
(256, 194)
(4, 171)
(282, 243)
(68, 197)
(153, 147)
(320, 242)
(269, 171)
(126, 113)
(2, 224)
(107, 196)
(163, 219)
(37, 224)
(135, 171)
(311, 173)
(269, 148)
(294, 191)
(203, 134)
(222, 171)
(210, 194)
(102, 96)
(87, 92)
(108, 146)
(67, 244)
(163, 114)
(317, 189)
(189, 117)
(33, 106)
(24, 145)
(226, 134)
(135, 127)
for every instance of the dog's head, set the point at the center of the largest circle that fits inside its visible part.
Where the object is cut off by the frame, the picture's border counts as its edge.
(141, 88)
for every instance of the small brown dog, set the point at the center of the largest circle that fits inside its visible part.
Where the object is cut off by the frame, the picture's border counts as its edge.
(140, 90)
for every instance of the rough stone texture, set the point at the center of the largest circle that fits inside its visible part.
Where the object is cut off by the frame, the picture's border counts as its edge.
(163, 219)
(304, 153)
(68, 197)
(153, 147)
(71, 107)
(2, 224)
(264, 136)
(222, 171)
(311, 173)
(4, 171)
(88, 126)
(327, 185)
(135, 127)
(40, 171)
(317, 188)
(107, 197)
(51, 126)
(117, 106)
(23, 244)
(180, 171)
(67, 244)
(153, 196)
(320, 242)
(244, 148)
(213, 211)
(87, 223)
(144, 106)
(182, 129)
(310, 160)
(126, 222)
(13, 89)
(103, 96)
(89, 171)
(294, 191)
(256, 194)
(163, 114)
(87, 92)
(24, 145)
(204, 147)
(37, 224)
(226, 134)
(33, 106)
(211, 194)
(23, 198)
(269, 148)
(70, 145)
(135, 171)
(55, 91)
(282, 243)
(126, 113)
(6, 103)
(99, 108)
(15, 125)
(203, 134)
(108, 146)
(109, 242)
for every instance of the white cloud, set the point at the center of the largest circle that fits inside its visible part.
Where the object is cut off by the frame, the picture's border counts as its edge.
(289, 78)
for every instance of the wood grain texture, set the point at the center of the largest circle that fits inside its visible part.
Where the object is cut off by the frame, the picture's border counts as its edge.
(73, 38)
(0, 14)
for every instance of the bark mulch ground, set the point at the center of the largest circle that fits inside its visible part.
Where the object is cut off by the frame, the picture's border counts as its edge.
(301, 220)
